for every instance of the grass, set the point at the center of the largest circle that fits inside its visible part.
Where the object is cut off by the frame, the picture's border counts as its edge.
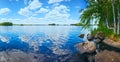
(107, 32)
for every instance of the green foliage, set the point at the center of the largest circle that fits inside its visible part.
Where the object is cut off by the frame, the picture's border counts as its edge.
(77, 24)
(105, 30)
(104, 12)
(6, 24)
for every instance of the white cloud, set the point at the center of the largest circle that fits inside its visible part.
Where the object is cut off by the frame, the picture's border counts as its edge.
(62, 9)
(58, 13)
(54, 1)
(35, 4)
(4, 11)
(27, 1)
(28, 10)
(25, 12)
(42, 10)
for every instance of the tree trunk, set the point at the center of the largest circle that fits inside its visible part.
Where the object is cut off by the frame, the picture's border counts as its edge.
(113, 9)
(118, 24)
(106, 22)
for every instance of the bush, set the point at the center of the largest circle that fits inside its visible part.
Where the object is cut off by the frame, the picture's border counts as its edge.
(105, 30)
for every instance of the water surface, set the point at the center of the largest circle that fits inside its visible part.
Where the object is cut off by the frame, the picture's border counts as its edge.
(55, 43)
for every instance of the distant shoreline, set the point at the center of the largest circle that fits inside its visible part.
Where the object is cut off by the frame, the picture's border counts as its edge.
(52, 24)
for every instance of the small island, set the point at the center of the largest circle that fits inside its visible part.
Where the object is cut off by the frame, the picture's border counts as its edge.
(53, 24)
(6, 24)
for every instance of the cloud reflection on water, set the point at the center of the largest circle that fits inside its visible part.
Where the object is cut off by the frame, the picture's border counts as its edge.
(58, 38)
(53, 41)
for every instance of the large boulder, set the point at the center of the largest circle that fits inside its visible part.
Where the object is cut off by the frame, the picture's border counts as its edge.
(90, 37)
(86, 47)
(112, 42)
(107, 56)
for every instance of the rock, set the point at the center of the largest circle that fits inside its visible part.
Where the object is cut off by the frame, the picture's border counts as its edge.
(100, 35)
(90, 37)
(112, 43)
(97, 40)
(86, 47)
(81, 35)
(107, 56)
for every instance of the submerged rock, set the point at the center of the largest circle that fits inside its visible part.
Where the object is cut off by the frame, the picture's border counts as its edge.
(107, 56)
(81, 35)
(24, 38)
(86, 47)
(19, 56)
(90, 37)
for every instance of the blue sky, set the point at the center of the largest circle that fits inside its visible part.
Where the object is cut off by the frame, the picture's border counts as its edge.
(41, 11)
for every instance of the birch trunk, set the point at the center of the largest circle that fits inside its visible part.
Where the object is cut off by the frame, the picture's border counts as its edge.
(118, 24)
(107, 22)
(113, 9)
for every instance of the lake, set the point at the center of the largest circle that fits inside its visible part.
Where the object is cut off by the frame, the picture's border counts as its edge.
(54, 43)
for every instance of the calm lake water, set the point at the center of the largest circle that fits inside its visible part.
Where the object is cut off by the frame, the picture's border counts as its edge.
(55, 43)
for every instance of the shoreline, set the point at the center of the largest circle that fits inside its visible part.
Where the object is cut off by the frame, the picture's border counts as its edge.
(97, 52)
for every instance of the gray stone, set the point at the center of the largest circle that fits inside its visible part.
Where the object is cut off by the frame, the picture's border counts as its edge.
(86, 47)
(90, 37)
(112, 43)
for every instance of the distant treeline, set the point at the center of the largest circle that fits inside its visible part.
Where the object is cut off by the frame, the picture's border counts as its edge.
(6, 24)
(82, 24)
(77, 24)
(52, 24)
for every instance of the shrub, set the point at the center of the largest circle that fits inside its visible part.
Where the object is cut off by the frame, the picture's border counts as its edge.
(105, 30)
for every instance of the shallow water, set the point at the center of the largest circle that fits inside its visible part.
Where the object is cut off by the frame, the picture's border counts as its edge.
(55, 43)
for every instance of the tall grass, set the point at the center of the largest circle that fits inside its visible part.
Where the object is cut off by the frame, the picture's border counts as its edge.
(107, 32)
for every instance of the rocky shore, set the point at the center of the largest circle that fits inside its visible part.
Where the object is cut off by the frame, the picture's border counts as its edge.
(98, 48)
(107, 56)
